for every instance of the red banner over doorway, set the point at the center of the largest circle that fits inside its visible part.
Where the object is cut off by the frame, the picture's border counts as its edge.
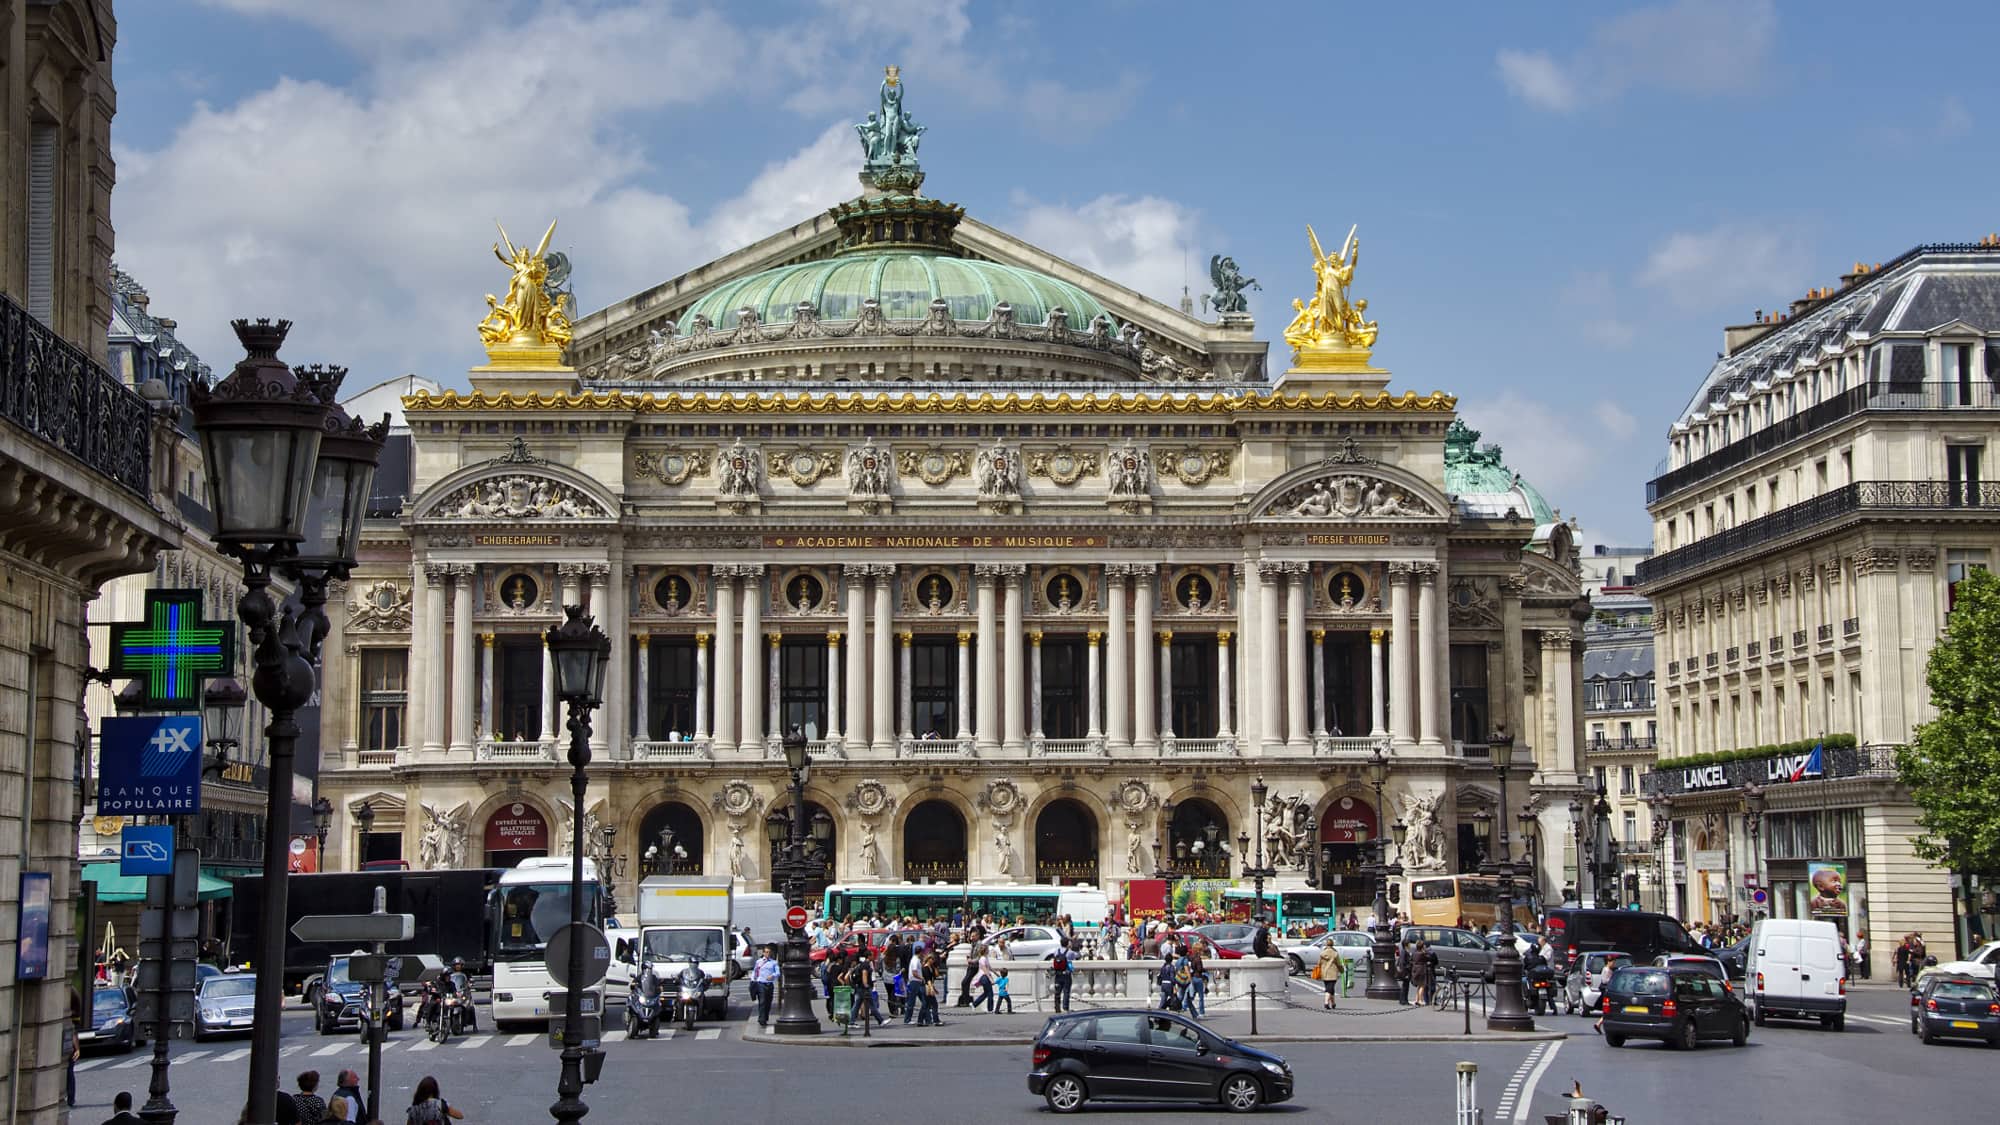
(517, 827)
(1348, 820)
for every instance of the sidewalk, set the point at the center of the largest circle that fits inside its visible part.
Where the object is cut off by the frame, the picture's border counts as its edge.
(1288, 1020)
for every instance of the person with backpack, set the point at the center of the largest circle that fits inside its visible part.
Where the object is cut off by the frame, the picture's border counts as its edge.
(428, 1107)
(1197, 998)
(1062, 974)
(1165, 975)
(915, 982)
(1183, 983)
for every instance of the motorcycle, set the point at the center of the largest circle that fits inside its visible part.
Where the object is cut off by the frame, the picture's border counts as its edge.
(693, 982)
(1543, 991)
(450, 1017)
(642, 1006)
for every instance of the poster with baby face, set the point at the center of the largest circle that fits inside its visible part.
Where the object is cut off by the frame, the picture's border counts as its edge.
(1829, 889)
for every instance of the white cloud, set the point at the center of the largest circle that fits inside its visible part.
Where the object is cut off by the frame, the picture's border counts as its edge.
(1615, 419)
(1726, 264)
(1546, 445)
(1537, 79)
(1954, 120)
(1689, 46)
(1141, 243)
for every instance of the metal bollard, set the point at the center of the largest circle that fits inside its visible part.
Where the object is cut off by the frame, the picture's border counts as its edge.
(1468, 1093)
(1253, 1007)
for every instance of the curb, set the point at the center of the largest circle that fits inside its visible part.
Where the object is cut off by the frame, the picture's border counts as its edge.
(834, 1039)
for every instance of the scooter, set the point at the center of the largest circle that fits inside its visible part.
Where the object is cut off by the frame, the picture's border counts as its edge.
(693, 982)
(642, 1007)
(1542, 991)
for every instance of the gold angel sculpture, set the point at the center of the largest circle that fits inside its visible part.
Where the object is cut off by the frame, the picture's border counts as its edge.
(527, 316)
(1329, 322)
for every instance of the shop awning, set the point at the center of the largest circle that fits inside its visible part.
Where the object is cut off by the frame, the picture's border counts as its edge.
(113, 887)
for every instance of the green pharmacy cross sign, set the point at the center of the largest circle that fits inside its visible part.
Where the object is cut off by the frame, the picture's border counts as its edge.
(173, 650)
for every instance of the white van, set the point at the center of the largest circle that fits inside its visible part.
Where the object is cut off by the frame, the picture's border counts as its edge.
(1793, 969)
(762, 916)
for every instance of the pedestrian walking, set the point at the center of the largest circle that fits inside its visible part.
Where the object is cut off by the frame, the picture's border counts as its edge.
(348, 1085)
(121, 1111)
(1197, 998)
(982, 979)
(764, 983)
(311, 1107)
(1403, 973)
(1062, 975)
(1166, 980)
(1327, 972)
(933, 985)
(428, 1107)
(1423, 968)
(1000, 995)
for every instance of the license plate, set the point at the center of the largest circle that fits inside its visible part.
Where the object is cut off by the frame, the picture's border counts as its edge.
(1639, 1008)
(1967, 1024)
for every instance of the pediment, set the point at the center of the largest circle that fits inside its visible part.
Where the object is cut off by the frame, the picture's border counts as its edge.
(1365, 492)
(516, 488)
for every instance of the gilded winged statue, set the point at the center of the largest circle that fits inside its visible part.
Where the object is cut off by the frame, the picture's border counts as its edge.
(527, 314)
(1329, 320)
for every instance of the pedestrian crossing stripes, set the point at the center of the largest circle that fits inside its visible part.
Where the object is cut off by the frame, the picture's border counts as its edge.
(232, 1056)
(330, 1049)
(423, 1045)
(346, 1046)
(89, 1064)
(478, 1041)
(614, 1036)
(710, 1033)
(1887, 1021)
(128, 1064)
(521, 1040)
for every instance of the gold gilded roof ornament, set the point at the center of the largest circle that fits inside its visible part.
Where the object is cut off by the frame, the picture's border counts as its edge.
(1330, 332)
(529, 327)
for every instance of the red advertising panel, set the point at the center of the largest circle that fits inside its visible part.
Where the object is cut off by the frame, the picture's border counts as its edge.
(1348, 821)
(303, 857)
(1145, 898)
(517, 827)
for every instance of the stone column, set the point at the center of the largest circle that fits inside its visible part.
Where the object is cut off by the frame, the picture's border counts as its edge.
(426, 614)
(1513, 687)
(964, 684)
(1166, 693)
(463, 674)
(1147, 719)
(883, 679)
(486, 687)
(1035, 685)
(1400, 688)
(700, 686)
(642, 683)
(774, 722)
(725, 657)
(1223, 655)
(903, 707)
(833, 727)
(1556, 668)
(1297, 739)
(750, 663)
(1117, 662)
(855, 579)
(1428, 671)
(1667, 869)
(1270, 720)
(1094, 683)
(1319, 724)
(1013, 697)
(1376, 688)
(548, 693)
(987, 727)
(600, 598)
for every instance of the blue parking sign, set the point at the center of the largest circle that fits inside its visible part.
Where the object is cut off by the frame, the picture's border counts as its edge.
(146, 849)
(149, 766)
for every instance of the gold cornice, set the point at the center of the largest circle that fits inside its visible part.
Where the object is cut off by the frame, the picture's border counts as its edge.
(984, 402)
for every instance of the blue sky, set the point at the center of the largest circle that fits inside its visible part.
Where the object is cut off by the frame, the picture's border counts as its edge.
(1561, 204)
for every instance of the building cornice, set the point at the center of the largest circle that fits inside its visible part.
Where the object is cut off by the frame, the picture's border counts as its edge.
(719, 402)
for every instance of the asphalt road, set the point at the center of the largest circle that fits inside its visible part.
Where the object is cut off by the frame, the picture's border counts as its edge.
(1874, 1071)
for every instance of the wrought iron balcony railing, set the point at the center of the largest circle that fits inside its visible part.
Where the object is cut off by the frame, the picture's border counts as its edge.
(53, 390)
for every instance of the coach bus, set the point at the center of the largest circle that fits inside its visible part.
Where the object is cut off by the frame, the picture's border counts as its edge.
(1442, 900)
(1086, 906)
(532, 902)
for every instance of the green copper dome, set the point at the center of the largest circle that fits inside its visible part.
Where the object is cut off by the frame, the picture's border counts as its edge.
(1485, 487)
(904, 284)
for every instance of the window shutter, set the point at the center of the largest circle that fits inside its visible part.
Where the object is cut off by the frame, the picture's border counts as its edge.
(42, 148)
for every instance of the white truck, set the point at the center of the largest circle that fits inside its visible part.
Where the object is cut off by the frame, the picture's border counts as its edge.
(685, 915)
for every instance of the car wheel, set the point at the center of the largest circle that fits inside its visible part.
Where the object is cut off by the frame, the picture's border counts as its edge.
(1294, 966)
(1926, 1036)
(1757, 1014)
(396, 1021)
(1742, 1035)
(1614, 1039)
(1241, 1093)
(1687, 1039)
(329, 1027)
(1913, 1025)
(1833, 1023)
(1064, 1093)
(1994, 1043)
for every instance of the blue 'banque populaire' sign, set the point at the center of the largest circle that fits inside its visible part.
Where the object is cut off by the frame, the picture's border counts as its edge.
(149, 765)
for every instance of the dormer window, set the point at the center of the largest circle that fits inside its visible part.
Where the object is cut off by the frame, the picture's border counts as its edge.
(1957, 385)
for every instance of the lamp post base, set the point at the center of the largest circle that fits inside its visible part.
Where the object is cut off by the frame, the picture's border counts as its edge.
(795, 1011)
(1382, 966)
(1510, 1011)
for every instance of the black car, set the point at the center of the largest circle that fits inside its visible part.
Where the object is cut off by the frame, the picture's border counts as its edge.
(338, 1001)
(1680, 1007)
(1150, 1056)
(1645, 935)
(1954, 1007)
(112, 1021)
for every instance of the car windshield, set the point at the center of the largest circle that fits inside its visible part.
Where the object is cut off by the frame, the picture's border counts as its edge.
(336, 973)
(1699, 965)
(1640, 982)
(702, 945)
(107, 1000)
(229, 986)
(1948, 990)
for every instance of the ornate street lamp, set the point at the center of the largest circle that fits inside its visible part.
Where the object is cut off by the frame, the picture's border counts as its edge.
(366, 815)
(1753, 819)
(580, 654)
(1163, 867)
(262, 430)
(1604, 857)
(222, 708)
(1258, 872)
(1576, 809)
(1382, 953)
(1527, 869)
(795, 1013)
(1661, 808)
(1510, 1009)
(322, 820)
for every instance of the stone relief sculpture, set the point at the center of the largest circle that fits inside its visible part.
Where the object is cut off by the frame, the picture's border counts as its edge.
(868, 472)
(997, 472)
(1131, 471)
(1003, 851)
(1288, 825)
(1229, 285)
(443, 843)
(738, 470)
(1423, 846)
(742, 864)
(518, 497)
(1135, 849)
(1350, 497)
(871, 852)
(383, 607)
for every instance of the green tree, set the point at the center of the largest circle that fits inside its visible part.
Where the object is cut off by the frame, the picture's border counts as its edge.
(1952, 766)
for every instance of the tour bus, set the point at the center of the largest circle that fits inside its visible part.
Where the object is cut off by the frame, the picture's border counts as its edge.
(1441, 900)
(529, 905)
(1312, 911)
(1086, 906)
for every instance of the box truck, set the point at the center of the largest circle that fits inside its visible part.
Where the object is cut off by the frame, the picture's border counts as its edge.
(686, 916)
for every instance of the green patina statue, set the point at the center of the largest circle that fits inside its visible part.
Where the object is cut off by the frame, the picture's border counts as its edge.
(889, 139)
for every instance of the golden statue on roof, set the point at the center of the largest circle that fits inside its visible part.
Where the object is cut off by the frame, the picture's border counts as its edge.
(529, 319)
(1330, 331)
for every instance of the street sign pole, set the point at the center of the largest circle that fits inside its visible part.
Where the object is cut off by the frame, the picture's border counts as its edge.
(379, 927)
(376, 1029)
(185, 875)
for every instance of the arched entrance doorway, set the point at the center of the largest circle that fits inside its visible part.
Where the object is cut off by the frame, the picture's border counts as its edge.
(1345, 829)
(516, 831)
(826, 872)
(934, 843)
(1065, 843)
(670, 841)
(1198, 842)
